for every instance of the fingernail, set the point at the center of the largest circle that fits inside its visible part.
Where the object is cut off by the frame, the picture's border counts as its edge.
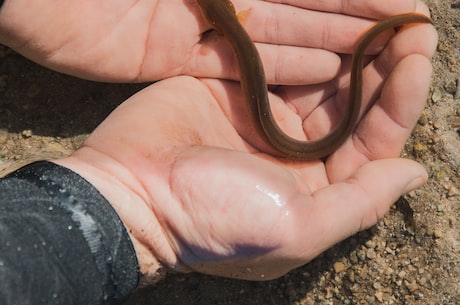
(417, 182)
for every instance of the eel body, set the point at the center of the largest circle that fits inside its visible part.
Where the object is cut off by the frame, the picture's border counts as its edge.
(220, 14)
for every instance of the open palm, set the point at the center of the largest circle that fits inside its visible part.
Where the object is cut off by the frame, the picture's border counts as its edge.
(178, 163)
(178, 160)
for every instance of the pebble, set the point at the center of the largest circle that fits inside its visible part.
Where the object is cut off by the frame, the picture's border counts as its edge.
(361, 256)
(339, 267)
(453, 192)
(377, 286)
(452, 221)
(420, 150)
(379, 295)
(437, 125)
(370, 254)
(370, 299)
(27, 133)
(422, 280)
(370, 244)
(423, 120)
(412, 286)
(351, 276)
(354, 259)
(437, 94)
(389, 251)
(435, 139)
(450, 87)
(402, 274)
(437, 233)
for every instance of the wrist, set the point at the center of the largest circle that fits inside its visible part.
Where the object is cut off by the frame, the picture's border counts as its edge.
(128, 198)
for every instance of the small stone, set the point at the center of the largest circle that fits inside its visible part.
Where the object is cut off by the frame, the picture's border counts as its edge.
(55, 148)
(377, 286)
(370, 244)
(370, 299)
(412, 286)
(450, 87)
(420, 149)
(437, 233)
(339, 267)
(435, 139)
(27, 133)
(452, 221)
(453, 192)
(440, 174)
(437, 125)
(329, 293)
(361, 256)
(437, 94)
(422, 280)
(392, 245)
(402, 274)
(389, 251)
(423, 120)
(351, 276)
(370, 254)
(379, 295)
(354, 258)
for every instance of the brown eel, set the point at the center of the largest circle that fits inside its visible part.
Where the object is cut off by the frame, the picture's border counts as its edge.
(220, 14)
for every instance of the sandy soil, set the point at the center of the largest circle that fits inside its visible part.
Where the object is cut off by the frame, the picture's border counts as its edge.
(45, 114)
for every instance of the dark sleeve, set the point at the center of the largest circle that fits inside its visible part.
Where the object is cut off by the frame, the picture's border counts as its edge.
(61, 242)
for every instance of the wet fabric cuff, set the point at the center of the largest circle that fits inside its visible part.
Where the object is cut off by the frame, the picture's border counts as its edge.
(59, 235)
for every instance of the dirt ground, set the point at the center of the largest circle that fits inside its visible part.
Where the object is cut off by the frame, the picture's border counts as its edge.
(402, 260)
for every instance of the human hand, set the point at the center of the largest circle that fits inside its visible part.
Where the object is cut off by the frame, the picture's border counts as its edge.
(136, 41)
(177, 163)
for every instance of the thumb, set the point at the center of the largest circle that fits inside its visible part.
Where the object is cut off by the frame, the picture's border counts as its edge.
(353, 205)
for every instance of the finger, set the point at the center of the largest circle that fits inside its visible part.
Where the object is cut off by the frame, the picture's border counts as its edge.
(283, 65)
(415, 38)
(384, 130)
(346, 208)
(364, 8)
(388, 123)
(292, 25)
(286, 36)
